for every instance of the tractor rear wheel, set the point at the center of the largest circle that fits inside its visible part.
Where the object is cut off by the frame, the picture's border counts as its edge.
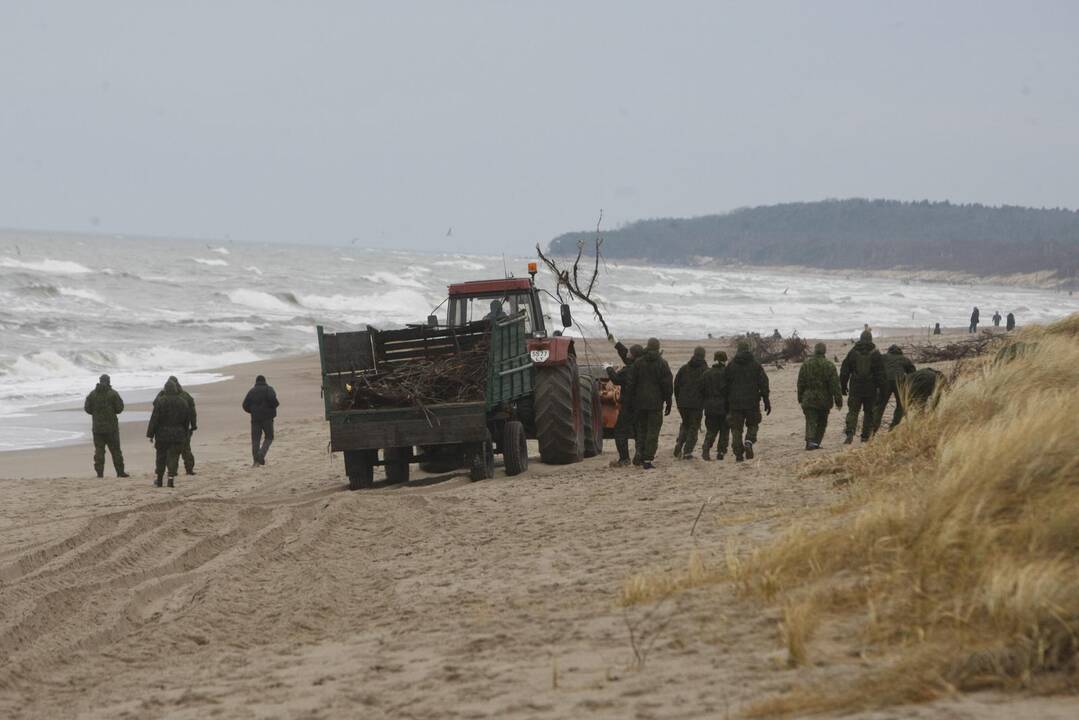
(397, 460)
(591, 418)
(558, 414)
(360, 468)
(514, 448)
(483, 462)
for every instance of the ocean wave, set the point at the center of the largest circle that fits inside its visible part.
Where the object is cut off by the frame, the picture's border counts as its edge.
(252, 268)
(393, 304)
(260, 300)
(389, 278)
(220, 250)
(215, 262)
(463, 264)
(47, 266)
(674, 288)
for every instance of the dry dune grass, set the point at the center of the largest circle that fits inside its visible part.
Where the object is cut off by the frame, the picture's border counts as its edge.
(958, 549)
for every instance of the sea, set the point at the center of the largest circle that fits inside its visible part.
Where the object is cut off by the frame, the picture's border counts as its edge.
(75, 306)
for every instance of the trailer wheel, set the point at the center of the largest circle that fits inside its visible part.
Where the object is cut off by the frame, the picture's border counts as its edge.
(483, 462)
(360, 468)
(558, 414)
(397, 460)
(515, 448)
(591, 418)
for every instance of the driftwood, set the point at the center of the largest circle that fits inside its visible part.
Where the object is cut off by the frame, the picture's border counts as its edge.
(769, 350)
(959, 350)
(425, 381)
(571, 280)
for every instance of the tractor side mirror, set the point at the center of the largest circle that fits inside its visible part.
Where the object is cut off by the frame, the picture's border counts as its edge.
(432, 320)
(567, 316)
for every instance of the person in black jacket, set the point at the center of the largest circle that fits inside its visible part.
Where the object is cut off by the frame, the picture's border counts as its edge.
(261, 404)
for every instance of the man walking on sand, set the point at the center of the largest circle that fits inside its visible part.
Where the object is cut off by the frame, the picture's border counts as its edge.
(169, 429)
(863, 371)
(689, 396)
(104, 404)
(974, 318)
(715, 408)
(623, 427)
(818, 389)
(261, 404)
(896, 366)
(651, 387)
(747, 386)
(185, 452)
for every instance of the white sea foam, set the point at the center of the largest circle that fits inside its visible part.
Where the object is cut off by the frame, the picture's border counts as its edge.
(252, 268)
(260, 301)
(220, 250)
(463, 264)
(215, 262)
(395, 305)
(389, 278)
(82, 294)
(47, 266)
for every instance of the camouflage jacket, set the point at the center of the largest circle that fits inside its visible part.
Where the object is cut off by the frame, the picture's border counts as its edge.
(896, 365)
(650, 383)
(688, 391)
(104, 404)
(863, 370)
(170, 421)
(747, 383)
(818, 384)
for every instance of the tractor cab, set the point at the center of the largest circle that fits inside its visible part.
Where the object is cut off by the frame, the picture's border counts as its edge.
(486, 299)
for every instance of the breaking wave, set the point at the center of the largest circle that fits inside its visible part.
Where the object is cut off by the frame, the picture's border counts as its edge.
(47, 266)
(216, 262)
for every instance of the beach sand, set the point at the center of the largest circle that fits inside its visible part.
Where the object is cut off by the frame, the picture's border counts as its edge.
(275, 592)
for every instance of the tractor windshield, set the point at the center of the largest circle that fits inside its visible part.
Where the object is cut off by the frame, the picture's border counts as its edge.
(493, 305)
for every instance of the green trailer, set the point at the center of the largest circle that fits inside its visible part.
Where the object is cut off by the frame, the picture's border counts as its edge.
(458, 434)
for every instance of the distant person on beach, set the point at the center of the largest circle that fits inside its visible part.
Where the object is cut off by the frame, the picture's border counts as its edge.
(1010, 322)
(863, 373)
(747, 386)
(974, 320)
(818, 390)
(996, 319)
(896, 366)
(261, 404)
(185, 452)
(936, 329)
(103, 404)
(776, 335)
(169, 430)
(623, 426)
(715, 408)
(651, 387)
(689, 396)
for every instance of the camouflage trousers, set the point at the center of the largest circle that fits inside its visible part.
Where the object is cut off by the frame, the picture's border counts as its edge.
(623, 431)
(688, 430)
(882, 405)
(168, 458)
(648, 423)
(866, 404)
(187, 456)
(743, 421)
(816, 423)
(110, 440)
(715, 424)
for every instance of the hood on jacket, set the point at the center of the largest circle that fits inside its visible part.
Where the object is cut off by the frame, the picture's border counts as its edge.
(172, 379)
(171, 387)
(720, 357)
(743, 356)
(651, 355)
(863, 346)
(866, 336)
(260, 380)
(895, 350)
(697, 361)
(820, 349)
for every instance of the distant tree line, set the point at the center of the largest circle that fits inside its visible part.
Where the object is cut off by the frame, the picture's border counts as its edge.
(858, 233)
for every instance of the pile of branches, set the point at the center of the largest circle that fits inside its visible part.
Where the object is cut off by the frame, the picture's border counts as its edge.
(769, 350)
(960, 350)
(423, 381)
(577, 282)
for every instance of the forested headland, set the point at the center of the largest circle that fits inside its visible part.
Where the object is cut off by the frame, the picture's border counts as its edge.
(857, 234)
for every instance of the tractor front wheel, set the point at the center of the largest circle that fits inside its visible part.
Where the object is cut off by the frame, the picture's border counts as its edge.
(558, 414)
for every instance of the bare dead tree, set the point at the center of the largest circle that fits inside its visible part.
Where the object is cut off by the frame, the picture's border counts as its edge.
(570, 280)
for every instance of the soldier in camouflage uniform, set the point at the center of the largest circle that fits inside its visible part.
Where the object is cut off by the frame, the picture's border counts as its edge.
(651, 387)
(747, 386)
(103, 404)
(818, 390)
(624, 427)
(921, 384)
(863, 372)
(185, 453)
(715, 408)
(689, 396)
(896, 366)
(169, 428)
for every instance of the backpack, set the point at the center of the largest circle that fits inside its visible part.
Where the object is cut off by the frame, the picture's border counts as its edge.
(863, 366)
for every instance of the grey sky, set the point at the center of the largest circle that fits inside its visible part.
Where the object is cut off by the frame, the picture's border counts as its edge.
(511, 121)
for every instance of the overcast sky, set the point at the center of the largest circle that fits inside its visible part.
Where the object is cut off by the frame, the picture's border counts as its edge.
(511, 122)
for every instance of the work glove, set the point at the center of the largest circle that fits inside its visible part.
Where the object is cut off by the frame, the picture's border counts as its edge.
(667, 408)
(767, 406)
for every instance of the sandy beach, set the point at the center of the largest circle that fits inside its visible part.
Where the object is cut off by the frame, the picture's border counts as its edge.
(274, 592)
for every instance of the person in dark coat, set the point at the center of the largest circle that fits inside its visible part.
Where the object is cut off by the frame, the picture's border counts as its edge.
(747, 387)
(103, 404)
(185, 452)
(651, 387)
(169, 429)
(936, 329)
(997, 318)
(689, 397)
(974, 320)
(261, 404)
(715, 408)
(896, 366)
(863, 373)
(1010, 322)
(623, 427)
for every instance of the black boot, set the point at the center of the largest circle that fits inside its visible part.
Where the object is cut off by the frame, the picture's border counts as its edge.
(749, 450)
(706, 454)
(170, 481)
(121, 473)
(101, 473)
(157, 481)
(850, 439)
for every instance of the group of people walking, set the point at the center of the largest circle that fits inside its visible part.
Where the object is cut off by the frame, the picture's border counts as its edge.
(172, 423)
(975, 318)
(729, 397)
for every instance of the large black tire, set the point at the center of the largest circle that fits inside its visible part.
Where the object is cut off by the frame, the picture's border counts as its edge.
(514, 448)
(360, 468)
(397, 461)
(591, 418)
(483, 462)
(558, 416)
